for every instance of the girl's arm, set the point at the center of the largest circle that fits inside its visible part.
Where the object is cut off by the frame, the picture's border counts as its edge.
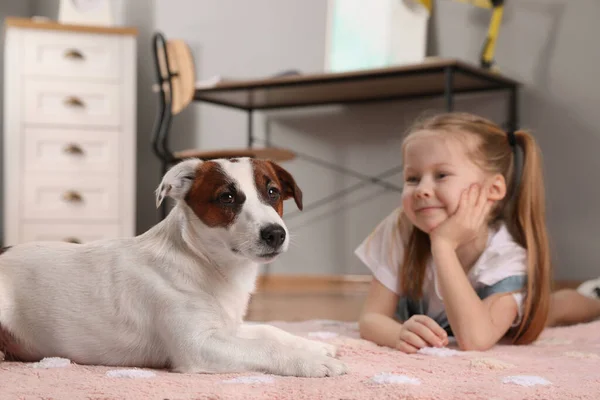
(476, 324)
(378, 326)
(376, 322)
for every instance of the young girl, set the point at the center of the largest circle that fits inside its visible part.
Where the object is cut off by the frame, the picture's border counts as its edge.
(467, 253)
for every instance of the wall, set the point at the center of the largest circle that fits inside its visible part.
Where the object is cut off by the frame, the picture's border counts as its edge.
(7, 9)
(540, 43)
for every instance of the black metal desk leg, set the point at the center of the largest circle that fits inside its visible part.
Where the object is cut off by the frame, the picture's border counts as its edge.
(250, 128)
(513, 109)
(449, 88)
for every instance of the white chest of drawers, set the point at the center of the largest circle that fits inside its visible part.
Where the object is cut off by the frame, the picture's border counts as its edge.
(69, 132)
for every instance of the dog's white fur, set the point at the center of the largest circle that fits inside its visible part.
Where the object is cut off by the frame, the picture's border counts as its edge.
(174, 296)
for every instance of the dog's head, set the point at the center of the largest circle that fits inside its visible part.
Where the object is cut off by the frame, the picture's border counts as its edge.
(239, 202)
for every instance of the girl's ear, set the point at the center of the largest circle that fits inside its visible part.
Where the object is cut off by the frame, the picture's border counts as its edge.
(496, 188)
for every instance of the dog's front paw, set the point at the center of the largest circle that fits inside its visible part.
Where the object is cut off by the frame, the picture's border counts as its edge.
(315, 366)
(322, 348)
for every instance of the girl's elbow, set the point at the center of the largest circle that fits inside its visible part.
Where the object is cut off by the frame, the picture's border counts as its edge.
(364, 326)
(367, 324)
(474, 344)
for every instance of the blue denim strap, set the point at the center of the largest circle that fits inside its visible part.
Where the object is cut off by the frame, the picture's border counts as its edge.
(515, 283)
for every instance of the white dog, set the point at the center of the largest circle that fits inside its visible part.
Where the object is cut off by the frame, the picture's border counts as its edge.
(173, 297)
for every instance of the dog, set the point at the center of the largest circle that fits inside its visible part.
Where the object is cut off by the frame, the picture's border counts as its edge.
(173, 297)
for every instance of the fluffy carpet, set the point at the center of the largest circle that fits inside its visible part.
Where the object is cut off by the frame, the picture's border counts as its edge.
(563, 364)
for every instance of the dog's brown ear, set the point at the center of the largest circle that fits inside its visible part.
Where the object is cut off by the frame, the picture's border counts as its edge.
(289, 186)
(177, 181)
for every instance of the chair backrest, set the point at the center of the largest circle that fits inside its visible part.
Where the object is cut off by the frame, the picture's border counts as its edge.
(175, 86)
(178, 63)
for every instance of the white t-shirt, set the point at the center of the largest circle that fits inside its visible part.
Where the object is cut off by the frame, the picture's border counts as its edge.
(503, 263)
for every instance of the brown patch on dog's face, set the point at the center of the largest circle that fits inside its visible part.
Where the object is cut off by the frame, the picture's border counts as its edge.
(213, 197)
(274, 185)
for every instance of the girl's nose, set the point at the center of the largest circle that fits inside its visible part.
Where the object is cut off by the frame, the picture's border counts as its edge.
(422, 194)
(423, 191)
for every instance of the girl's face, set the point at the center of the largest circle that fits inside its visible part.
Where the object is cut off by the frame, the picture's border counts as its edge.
(437, 169)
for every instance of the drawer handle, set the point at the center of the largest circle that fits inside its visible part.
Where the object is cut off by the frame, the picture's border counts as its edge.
(73, 148)
(73, 101)
(72, 240)
(72, 196)
(74, 54)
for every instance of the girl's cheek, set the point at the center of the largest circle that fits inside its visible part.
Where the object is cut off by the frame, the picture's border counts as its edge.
(406, 202)
(405, 195)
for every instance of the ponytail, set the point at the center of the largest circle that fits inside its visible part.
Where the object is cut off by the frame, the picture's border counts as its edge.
(527, 223)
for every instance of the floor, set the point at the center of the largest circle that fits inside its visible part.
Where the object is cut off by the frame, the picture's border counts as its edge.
(302, 298)
(297, 298)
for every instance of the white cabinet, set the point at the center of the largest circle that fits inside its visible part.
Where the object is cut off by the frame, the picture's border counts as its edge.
(69, 132)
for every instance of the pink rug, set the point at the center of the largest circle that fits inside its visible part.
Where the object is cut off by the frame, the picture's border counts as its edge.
(563, 364)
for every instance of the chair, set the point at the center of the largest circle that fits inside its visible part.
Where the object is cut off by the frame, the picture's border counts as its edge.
(176, 86)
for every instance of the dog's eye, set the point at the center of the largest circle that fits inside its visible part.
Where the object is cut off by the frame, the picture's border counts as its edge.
(227, 198)
(273, 193)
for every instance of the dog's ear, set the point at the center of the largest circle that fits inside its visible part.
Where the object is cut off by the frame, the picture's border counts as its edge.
(290, 188)
(177, 181)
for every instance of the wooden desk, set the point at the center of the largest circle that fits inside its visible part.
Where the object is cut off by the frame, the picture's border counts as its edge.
(433, 78)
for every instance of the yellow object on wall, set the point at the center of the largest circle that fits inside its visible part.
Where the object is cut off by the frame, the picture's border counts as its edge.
(427, 4)
(477, 3)
(489, 46)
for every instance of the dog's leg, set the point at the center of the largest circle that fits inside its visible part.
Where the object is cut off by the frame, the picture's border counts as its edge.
(224, 352)
(258, 331)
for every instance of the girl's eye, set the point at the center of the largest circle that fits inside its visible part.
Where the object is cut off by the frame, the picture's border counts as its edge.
(412, 179)
(442, 175)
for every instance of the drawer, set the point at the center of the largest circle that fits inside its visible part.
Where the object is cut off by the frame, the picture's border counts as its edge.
(72, 196)
(64, 232)
(73, 55)
(71, 103)
(69, 150)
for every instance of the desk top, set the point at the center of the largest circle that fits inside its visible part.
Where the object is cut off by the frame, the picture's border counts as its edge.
(424, 79)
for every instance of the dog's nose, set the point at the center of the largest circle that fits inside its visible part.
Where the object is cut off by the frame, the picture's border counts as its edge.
(273, 235)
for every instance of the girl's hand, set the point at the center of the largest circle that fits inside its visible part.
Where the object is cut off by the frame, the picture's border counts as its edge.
(420, 331)
(463, 226)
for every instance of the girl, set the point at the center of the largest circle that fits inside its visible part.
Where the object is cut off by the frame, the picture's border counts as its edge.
(467, 253)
